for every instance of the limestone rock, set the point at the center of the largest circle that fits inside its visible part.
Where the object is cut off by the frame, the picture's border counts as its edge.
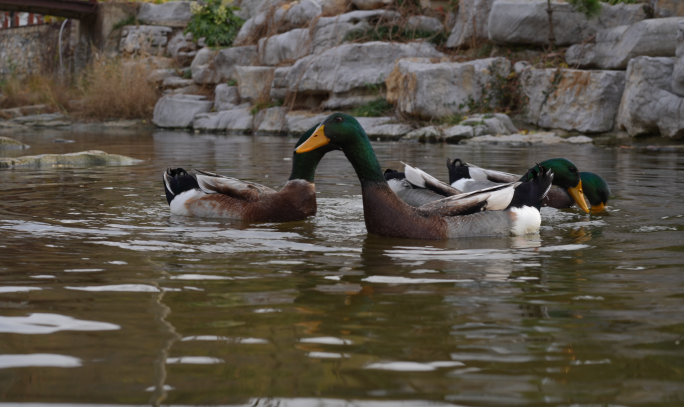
(202, 67)
(7, 143)
(472, 23)
(254, 82)
(92, 157)
(298, 15)
(271, 121)
(585, 101)
(333, 7)
(383, 128)
(648, 105)
(299, 122)
(371, 4)
(43, 120)
(495, 124)
(175, 82)
(159, 75)
(252, 30)
(236, 120)
(678, 73)
(615, 47)
(228, 58)
(279, 84)
(526, 21)
(179, 110)
(171, 14)
(353, 68)
(520, 66)
(332, 31)
(180, 43)
(421, 88)
(424, 23)
(668, 8)
(226, 97)
(455, 134)
(527, 139)
(251, 8)
(143, 38)
(423, 134)
(286, 47)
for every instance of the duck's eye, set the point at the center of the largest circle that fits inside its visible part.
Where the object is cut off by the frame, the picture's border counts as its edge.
(573, 170)
(338, 119)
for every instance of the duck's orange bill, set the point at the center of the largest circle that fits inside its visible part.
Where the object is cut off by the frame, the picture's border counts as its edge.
(598, 208)
(578, 195)
(316, 140)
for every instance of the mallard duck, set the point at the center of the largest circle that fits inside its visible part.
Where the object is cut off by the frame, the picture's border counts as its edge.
(500, 211)
(416, 187)
(566, 192)
(211, 195)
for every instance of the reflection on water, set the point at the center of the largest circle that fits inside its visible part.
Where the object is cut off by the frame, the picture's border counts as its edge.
(105, 298)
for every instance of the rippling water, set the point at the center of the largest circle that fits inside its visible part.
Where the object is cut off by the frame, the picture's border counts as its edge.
(106, 298)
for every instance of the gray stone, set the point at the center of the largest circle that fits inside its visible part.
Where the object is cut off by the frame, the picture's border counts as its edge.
(7, 143)
(424, 23)
(667, 8)
(159, 75)
(333, 7)
(286, 47)
(228, 58)
(271, 121)
(236, 120)
(383, 128)
(171, 14)
(351, 69)
(299, 122)
(175, 82)
(252, 30)
(203, 69)
(494, 124)
(544, 138)
(371, 4)
(186, 90)
(526, 21)
(648, 105)
(279, 84)
(178, 111)
(92, 157)
(615, 47)
(254, 82)
(471, 25)
(226, 97)
(143, 38)
(251, 8)
(180, 43)
(424, 89)
(520, 66)
(585, 101)
(43, 120)
(678, 73)
(299, 15)
(423, 134)
(332, 31)
(459, 132)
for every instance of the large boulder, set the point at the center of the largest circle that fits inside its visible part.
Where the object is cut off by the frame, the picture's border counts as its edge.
(236, 120)
(648, 104)
(253, 29)
(297, 15)
(298, 122)
(171, 14)
(271, 121)
(526, 21)
(202, 67)
(143, 38)
(228, 58)
(178, 111)
(472, 23)
(286, 47)
(678, 73)
(279, 84)
(254, 82)
(615, 47)
(225, 97)
(332, 31)
(419, 87)
(585, 101)
(351, 69)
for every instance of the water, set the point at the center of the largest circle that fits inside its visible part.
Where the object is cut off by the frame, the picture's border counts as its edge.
(105, 298)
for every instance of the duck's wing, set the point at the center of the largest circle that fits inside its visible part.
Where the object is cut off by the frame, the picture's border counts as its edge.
(483, 174)
(422, 179)
(211, 183)
(491, 199)
(413, 196)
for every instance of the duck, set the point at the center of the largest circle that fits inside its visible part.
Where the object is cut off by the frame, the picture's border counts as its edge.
(207, 194)
(567, 190)
(416, 187)
(503, 210)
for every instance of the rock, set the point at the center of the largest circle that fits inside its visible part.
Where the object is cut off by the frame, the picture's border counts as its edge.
(299, 15)
(299, 122)
(236, 120)
(271, 121)
(615, 47)
(495, 124)
(648, 105)
(351, 69)
(251, 8)
(23, 110)
(175, 82)
(333, 7)
(455, 134)
(148, 64)
(527, 139)
(7, 143)
(668, 8)
(43, 120)
(526, 21)
(226, 97)
(424, 134)
(421, 88)
(187, 90)
(228, 58)
(678, 73)
(383, 128)
(179, 110)
(571, 99)
(279, 84)
(159, 75)
(371, 4)
(143, 38)
(171, 14)
(252, 30)
(92, 157)
(202, 67)
(286, 47)
(180, 43)
(332, 31)
(424, 23)
(254, 82)
(471, 25)
(520, 66)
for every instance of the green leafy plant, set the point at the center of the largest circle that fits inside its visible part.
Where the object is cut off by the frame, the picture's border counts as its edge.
(395, 33)
(231, 82)
(258, 106)
(215, 22)
(375, 108)
(131, 20)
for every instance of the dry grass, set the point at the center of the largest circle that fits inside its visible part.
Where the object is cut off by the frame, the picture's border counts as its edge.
(114, 89)
(33, 90)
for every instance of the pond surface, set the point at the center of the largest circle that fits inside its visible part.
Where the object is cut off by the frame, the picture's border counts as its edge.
(106, 298)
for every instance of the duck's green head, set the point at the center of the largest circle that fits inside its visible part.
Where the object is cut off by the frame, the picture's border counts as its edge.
(304, 165)
(340, 129)
(565, 175)
(596, 190)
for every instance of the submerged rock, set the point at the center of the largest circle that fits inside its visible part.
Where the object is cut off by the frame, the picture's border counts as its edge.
(7, 143)
(92, 157)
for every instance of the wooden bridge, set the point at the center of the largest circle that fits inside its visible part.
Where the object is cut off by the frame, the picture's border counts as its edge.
(76, 9)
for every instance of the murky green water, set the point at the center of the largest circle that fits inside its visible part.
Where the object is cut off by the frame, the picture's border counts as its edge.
(105, 298)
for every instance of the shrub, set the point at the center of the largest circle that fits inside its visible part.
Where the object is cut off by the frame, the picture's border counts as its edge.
(375, 108)
(34, 89)
(214, 21)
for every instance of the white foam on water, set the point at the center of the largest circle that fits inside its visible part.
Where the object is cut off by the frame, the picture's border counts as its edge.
(424, 271)
(567, 247)
(588, 298)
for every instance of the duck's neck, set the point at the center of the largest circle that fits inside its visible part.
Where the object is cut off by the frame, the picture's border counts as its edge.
(304, 165)
(363, 159)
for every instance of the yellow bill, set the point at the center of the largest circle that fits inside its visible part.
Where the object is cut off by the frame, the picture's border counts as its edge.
(598, 208)
(578, 195)
(316, 140)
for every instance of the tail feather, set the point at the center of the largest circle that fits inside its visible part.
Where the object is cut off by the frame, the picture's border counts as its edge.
(457, 170)
(177, 181)
(532, 192)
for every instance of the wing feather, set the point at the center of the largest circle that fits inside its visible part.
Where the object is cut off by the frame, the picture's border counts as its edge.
(493, 198)
(494, 176)
(211, 183)
(422, 179)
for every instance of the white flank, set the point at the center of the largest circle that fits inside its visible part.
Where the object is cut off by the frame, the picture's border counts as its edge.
(461, 183)
(499, 200)
(177, 205)
(527, 220)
